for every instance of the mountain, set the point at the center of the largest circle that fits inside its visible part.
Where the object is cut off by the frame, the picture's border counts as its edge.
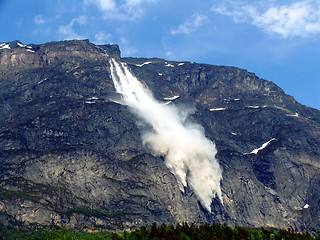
(72, 153)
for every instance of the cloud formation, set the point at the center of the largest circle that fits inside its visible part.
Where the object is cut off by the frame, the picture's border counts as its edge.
(190, 25)
(39, 19)
(102, 38)
(67, 32)
(127, 10)
(126, 48)
(298, 19)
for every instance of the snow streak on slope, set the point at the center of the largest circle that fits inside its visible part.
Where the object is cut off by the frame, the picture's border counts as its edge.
(255, 151)
(189, 155)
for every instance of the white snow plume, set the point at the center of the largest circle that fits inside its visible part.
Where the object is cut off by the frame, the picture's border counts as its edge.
(189, 155)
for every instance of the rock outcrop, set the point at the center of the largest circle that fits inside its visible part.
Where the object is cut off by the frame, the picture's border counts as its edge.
(71, 155)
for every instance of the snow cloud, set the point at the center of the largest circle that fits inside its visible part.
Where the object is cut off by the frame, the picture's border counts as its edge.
(298, 19)
(127, 10)
(189, 155)
(191, 25)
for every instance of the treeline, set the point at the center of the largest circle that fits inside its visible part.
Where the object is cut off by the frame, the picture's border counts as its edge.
(213, 231)
(183, 231)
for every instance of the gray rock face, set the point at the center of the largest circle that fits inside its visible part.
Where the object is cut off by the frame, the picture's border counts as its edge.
(72, 156)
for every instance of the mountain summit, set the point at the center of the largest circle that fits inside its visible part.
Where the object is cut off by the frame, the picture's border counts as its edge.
(75, 153)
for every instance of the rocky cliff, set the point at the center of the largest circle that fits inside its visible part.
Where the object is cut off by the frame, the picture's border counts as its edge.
(72, 155)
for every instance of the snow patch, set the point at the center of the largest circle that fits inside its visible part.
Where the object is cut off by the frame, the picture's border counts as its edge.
(117, 102)
(166, 103)
(2, 44)
(234, 134)
(169, 65)
(89, 102)
(217, 109)
(21, 45)
(293, 115)
(93, 98)
(255, 107)
(145, 63)
(236, 99)
(160, 74)
(306, 206)
(25, 46)
(180, 64)
(43, 80)
(255, 151)
(120, 103)
(5, 46)
(171, 98)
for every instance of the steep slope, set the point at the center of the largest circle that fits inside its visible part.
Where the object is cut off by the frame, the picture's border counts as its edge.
(72, 155)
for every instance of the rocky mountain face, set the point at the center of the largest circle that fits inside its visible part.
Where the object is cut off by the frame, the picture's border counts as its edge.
(72, 156)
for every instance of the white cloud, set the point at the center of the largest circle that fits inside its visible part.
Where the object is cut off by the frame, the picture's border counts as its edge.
(68, 32)
(102, 38)
(80, 20)
(39, 19)
(191, 25)
(299, 19)
(136, 2)
(169, 54)
(128, 10)
(126, 48)
(104, 5)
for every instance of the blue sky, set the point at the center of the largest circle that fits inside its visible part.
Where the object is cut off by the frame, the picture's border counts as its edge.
(277, 40)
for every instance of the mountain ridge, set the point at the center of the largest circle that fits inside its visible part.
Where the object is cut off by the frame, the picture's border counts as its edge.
(72, 156)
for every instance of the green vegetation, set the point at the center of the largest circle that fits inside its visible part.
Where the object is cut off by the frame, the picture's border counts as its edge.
(109, 178)
(183, 231)
(32, 188)
(11, 233)
(96, 212)
(7, 194)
